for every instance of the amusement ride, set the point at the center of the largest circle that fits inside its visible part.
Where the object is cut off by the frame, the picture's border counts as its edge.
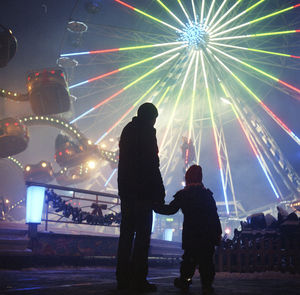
(219, 73)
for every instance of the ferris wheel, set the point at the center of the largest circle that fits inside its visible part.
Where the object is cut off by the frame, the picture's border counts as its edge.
(223, 74)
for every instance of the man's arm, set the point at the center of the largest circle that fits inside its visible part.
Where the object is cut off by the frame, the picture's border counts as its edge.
(169, 209)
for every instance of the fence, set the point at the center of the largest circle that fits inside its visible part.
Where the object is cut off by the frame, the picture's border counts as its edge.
(281, 253)
(59, 209)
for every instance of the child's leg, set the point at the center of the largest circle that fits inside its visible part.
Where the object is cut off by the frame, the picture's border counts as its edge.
(188, 265)
(206, 266)
(187, 269)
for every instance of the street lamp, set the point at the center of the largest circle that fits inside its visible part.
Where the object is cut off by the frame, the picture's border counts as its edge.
(35, 198)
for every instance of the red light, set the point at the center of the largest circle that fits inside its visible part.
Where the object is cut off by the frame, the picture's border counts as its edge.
(28, 78)
(6, 124)
(52, 72)
(74, 203)
(62, 74)
(67, 151)
(37, 74)
(16, 124)
(60, 153)
(55, 156)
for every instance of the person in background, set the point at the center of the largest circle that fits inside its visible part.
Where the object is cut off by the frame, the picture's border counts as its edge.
(140, 188)
(201, 230)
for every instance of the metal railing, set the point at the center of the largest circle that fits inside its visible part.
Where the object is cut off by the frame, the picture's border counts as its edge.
(95, 197)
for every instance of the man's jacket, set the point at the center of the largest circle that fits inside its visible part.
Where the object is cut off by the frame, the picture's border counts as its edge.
(138, 172)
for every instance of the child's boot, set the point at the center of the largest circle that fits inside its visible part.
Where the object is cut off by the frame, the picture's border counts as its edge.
(182, 284)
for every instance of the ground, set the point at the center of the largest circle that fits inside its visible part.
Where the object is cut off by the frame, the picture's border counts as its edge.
(101, 280)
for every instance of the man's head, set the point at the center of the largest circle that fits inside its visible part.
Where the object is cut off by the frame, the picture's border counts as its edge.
(193, 175)
(147, 112)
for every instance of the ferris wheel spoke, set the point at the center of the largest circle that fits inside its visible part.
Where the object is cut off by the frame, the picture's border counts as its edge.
(174, 147)
(163, 96)
(202, 11)
(209, 12)
(266, 108)
(255, 20)
(148, 15)
(124, 88)
(193, 96)
(194, 10)
(235, 109)
(216, 14)
(126, 113)
(258, 70)
(184, 11)
(121, 49)
(170, 12)
(126, 67)
(217, 144)
(177, 101)
(238, 16)
(256, 35)
(224, 15)
(254, 50)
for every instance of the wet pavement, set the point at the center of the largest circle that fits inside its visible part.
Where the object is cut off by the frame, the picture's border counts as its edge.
(101, 280)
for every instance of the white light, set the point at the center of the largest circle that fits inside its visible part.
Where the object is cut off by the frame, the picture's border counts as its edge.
(27, 168)
(168, 234)
(227, 230)
(91, 164)
(34, 204)
(103, 145)
(44, 164)
(225, 100)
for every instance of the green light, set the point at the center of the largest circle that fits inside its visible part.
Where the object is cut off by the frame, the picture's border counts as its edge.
(151, 58)
(246, 64)
(273, 33)
(256, 35)
(224, 15)
(184, 11)
(149, 46)
(156, 19)
(253, 21)
(150, 72)
(251, 49)
(170, 12)
(217, 13)
(177, 101)
(193, 96)
(163, 96)
(237, 16)
(138, 101)
(271, 14)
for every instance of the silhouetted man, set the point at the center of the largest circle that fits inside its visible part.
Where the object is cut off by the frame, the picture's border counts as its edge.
(140, 187)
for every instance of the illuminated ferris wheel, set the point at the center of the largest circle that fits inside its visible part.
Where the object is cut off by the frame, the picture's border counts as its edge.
(219, 72)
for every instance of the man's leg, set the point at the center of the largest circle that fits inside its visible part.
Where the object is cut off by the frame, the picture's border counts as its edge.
(125, 244)
(143, 215)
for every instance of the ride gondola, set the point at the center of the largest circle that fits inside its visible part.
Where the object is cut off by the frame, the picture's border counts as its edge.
(13, 137)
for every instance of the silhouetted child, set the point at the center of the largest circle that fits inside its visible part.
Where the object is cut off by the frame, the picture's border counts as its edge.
(201, 230)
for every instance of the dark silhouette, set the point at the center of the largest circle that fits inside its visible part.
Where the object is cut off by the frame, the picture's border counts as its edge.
(140, 188)
(201, 230)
